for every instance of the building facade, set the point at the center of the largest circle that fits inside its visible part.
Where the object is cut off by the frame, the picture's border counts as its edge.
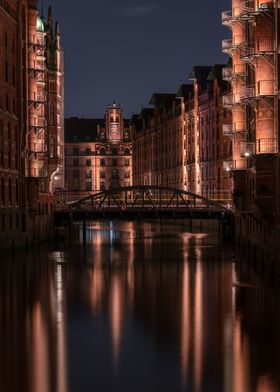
(30, 54)
(254, 102)
(98, 153)
(181, 142)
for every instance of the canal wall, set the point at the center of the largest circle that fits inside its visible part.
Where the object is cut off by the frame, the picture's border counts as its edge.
(258, 242)
(37, 229)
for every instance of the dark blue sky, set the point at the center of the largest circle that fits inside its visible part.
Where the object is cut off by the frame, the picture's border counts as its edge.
(128, 49)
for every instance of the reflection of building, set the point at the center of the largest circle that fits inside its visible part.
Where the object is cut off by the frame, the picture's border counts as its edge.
(98, 153)
(31, 126)
(181, 141)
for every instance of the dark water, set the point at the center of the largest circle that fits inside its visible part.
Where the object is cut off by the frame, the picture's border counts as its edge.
(146, 307)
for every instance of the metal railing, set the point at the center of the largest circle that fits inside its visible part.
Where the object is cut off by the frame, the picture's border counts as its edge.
(232, 44)
(266, 146)
(247, 149)
(234, 165)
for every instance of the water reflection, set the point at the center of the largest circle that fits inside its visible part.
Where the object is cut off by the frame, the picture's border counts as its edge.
(143, 307)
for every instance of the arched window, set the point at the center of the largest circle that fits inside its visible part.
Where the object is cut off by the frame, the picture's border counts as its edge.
(117, 119)
(111, 119)
(114, 151)
(102, 151)
(126, 151)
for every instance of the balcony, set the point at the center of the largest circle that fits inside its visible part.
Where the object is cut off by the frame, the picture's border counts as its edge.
(266, 146)
(229, 45)
(227, 18)
(227, 73)
(264, 46)
(228, 130)
(237, 128)
(266, 88)
(247, 149)
(235, 165)
(230, 100)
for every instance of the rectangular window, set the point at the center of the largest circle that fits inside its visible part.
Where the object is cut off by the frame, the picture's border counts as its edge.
(114, 162)
(88, 186)
(88, 173)
(102, 174)
(75, 151)
(102, 162)
(76, 174)
(76, 162)
(88, 162)
(76, 186)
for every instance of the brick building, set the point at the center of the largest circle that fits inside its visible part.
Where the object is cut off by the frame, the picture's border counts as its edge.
(31, 143)
(254, 102)
(98, 153)
(182, 142)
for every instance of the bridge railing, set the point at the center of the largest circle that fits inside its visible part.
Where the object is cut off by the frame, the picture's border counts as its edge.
(146, 197)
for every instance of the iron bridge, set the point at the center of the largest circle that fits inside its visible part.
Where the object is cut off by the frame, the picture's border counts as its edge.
(147, 199)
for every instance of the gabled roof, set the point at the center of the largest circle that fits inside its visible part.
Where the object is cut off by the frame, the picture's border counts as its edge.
(162, 100)
(200, 73)
(185, 91)
(82, 129)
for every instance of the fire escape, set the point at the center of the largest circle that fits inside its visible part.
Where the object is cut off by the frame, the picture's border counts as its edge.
(36, 146)
(261, 93)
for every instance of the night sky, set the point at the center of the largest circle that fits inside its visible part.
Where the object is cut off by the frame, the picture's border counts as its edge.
(127, 49)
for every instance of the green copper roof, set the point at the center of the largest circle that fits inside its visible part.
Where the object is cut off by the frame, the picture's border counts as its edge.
(40, 24)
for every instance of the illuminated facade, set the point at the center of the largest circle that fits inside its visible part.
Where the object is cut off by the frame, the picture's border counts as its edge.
(181, 142)
(98, 153)
(31, 126)
(254, 103)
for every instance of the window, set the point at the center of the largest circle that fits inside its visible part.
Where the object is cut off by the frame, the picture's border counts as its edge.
(126, 151)
(88, 173)
(127, 174)
(102, 174)
(75, 151)
(102, 162)
(76, 174)
(88, 186)
(102, 151)
(115, 174)
(88, 151)
(88, 162)
(114, 162)
(126, 162)
(76, 186)
(76, 162)
(114, 151)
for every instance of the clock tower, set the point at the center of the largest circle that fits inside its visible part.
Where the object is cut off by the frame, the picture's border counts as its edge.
(114, 123)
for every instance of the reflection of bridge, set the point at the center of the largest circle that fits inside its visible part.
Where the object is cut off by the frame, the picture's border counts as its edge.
(146, 201)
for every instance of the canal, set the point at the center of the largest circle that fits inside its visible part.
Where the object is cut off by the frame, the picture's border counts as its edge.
(143, 307)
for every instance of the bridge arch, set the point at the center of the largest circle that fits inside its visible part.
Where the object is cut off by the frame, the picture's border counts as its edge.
(146, 197)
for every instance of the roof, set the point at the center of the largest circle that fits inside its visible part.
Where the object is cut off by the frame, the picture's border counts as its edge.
(185, 91)
(162, 100)
(82, 129)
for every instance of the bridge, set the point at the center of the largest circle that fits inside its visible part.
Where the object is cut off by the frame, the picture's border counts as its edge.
(144, 202)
